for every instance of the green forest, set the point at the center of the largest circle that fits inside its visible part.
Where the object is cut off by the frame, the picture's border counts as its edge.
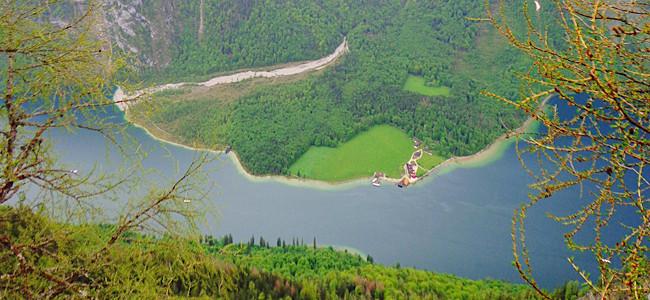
(272, 126)
(145, 267)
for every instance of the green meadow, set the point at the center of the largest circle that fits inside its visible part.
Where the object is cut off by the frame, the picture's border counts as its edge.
(429, 161)
(383, 148)
(417, 84)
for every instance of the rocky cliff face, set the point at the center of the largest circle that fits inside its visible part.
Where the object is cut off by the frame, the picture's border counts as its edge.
(144, 29)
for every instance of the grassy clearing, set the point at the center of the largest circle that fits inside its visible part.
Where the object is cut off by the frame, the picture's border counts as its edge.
(428, 161)
(383, 148)
(421, 172)
(418, 85)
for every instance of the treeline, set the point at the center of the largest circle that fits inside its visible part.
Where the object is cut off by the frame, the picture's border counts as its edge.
(293, 259)
(272, 127)
(321, 267)
(148, 267)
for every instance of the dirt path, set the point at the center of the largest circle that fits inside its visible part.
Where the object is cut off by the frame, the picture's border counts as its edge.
(201, 28)
(120, 97)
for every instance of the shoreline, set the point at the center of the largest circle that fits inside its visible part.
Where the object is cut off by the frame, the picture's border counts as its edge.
(489, 154)
(485, 156)
(293, 181)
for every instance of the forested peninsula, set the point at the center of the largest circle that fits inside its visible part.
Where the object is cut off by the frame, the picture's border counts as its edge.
(416, 66)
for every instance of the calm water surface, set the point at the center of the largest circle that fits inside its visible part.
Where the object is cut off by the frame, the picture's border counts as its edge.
(455, 223)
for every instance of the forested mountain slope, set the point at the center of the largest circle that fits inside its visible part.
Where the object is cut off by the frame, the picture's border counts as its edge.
(271, 126)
